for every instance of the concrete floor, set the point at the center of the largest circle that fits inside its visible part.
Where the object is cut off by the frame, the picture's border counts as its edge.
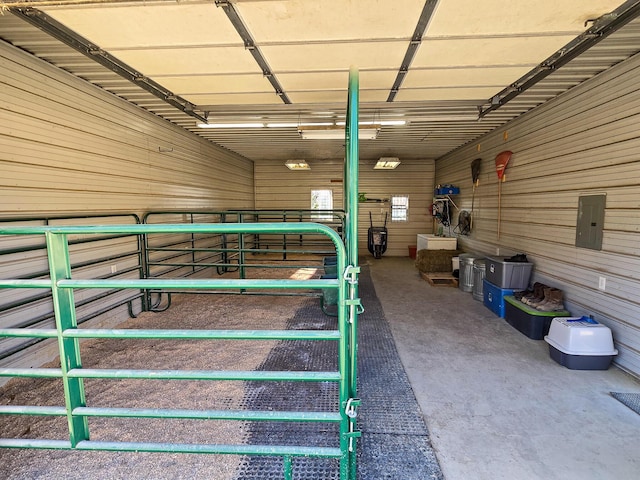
(496, 405)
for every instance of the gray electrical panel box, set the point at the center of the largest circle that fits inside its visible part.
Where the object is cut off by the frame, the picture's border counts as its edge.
(590, 221)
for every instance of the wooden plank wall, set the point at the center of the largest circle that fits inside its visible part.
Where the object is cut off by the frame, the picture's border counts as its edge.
(584, 142)
(69, 147)
(280, 188)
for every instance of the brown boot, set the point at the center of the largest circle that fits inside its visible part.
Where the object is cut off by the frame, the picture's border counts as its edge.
(553, 303)
(540, 300)
(537, 295)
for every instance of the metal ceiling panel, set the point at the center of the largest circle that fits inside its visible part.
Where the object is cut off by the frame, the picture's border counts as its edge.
(338, 95)
(496, 77)
(303, 21)
(314, 80)
(487, 51)
(504, 17)
(335, 56)
(236, 83)
(445, 93)
(192, 61)
(150, 25)
(245, 98)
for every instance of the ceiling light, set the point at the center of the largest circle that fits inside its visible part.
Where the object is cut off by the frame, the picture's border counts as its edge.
(337, 132)
(297, 165)
(291, 124)
(230, 125)
(381, 123)
(387, 163)
(445, 118)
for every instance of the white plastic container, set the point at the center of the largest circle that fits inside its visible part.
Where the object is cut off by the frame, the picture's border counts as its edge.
(580, 343)
(431, 242)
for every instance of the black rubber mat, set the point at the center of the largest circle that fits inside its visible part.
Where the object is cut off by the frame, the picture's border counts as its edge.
(395, 442)
(631, 400)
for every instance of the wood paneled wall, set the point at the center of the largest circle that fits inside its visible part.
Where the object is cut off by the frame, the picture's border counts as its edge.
(280, 188)
(69, 147)
(585, 142)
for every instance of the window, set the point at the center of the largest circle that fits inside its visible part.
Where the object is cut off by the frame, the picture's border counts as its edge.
(399, 208)
(321, 200)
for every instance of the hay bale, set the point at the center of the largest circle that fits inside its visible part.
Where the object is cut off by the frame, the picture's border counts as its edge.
(430, 261)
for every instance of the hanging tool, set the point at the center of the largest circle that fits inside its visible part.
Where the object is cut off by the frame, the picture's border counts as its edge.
(475, 177)
(502, 159)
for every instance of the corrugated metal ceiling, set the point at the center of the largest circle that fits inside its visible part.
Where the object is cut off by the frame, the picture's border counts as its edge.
(433, 64)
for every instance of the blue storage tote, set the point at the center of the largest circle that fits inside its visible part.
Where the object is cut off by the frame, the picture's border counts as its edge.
(494, 297)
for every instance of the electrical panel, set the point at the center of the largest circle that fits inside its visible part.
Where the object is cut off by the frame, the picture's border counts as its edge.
(590, 221)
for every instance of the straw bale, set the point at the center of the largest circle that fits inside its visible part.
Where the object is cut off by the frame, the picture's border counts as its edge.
(433, 261)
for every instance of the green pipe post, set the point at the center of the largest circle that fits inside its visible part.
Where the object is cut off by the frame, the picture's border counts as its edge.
(69, 348)
(351, 194)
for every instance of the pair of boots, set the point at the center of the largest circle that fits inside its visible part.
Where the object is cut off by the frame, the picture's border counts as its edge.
(544, 298)
(534, 296)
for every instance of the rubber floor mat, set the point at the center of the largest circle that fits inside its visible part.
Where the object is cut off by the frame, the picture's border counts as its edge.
(395, 441)
(631, 400)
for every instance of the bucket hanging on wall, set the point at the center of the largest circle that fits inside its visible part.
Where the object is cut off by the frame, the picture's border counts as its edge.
(502, 159)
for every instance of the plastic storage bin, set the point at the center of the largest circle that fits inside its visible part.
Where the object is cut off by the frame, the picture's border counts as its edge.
(447, 190)
(493, 297)
(506, 274)
(431, 242)
(580, 343)
(533, 323)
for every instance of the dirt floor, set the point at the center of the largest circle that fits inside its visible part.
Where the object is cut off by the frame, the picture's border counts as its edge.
(188, 311)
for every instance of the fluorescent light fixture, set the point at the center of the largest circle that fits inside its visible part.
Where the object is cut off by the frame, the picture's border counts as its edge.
(387, 163)
(291, 124)
(451, 117)
(381, 123)
(337, 132)
(297, 165)
(230, 125)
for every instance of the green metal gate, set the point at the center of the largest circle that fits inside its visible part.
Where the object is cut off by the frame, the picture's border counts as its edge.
(71, 373)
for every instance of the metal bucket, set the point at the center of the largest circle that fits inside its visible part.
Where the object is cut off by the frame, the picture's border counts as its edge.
(465, 280)
(479, 269)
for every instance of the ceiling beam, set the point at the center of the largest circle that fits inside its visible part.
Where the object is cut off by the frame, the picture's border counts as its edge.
(416, 40)
(250, 44)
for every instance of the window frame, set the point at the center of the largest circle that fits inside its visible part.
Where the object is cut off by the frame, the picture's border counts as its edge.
(399, 212)
(322, 202)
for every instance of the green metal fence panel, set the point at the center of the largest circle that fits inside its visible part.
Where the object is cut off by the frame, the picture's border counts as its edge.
(72, 374)
(25, 258)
